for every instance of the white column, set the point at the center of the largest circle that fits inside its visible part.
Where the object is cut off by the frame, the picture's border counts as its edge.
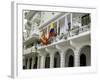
(24, 61)
(38, 62)
(32, 63)
(71, 26)
(62, 59)
(76, 47)
(28, 62)
(42, 61)
(51, 51)
(62, 52)
(77, 57)
(57, 26)
(42, 56)
(71, 17)
(66, 24)
(51, 60)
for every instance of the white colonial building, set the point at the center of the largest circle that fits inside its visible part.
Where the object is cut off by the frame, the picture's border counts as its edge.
(71, 47)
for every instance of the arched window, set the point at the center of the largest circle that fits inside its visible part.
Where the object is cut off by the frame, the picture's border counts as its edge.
(56, 60)
(71, 61)
(23, 66)
(82, 60)
(47, 61)
(23, 62)
(85, 56)
(26, 60)
(69, 58)
(36, 62)
(30, 63)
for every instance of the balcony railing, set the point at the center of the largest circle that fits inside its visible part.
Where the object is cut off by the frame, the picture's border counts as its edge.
(60, 39)
(71, 33)
(78, 30)
(29, 50)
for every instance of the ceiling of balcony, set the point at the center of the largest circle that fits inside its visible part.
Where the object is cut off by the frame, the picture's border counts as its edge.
(29, 14)
(78, 14)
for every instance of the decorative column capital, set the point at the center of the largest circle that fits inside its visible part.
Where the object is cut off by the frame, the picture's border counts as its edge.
(42, 52)
(76, 50)
(50, 50)
(61, 49)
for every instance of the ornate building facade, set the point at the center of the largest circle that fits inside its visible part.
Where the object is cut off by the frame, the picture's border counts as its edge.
(56, 39)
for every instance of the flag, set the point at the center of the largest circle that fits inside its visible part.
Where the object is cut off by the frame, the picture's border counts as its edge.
(43, 39)
(52, 31)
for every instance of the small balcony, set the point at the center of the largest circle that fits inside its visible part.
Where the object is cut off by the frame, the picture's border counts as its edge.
(74, 33)
(78, 30)
(31, 39)
(29, 50)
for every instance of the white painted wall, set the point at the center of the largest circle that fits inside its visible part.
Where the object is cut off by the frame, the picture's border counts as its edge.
(47, 16)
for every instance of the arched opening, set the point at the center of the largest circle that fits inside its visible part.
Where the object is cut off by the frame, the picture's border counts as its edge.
(23, 62)
(36, 62)
(69, 58)
(56, 60)
(47, 61)
(82, 60)
(85, 56)
(71, 61)
(26, 60)
(23, 66)
(30, 63)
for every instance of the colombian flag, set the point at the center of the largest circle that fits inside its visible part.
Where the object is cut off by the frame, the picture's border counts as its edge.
(52, 31)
